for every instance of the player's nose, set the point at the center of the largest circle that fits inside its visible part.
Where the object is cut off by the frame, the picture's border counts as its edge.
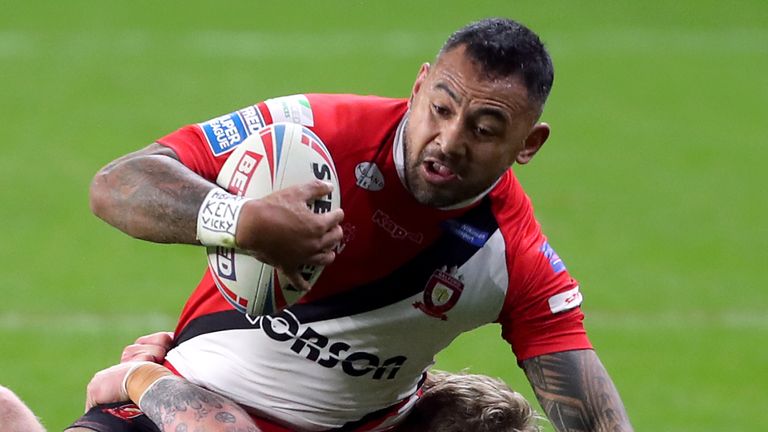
(452, 140)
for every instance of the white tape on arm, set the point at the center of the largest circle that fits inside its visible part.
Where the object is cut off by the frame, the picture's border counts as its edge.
(143, 376)
(131, 370)
(217, 218)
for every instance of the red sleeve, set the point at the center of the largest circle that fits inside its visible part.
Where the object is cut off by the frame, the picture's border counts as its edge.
(541, 313)
(204, 147)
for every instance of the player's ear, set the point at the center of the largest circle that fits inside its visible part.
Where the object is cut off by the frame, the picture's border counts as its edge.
(423, 71)
(533, 143)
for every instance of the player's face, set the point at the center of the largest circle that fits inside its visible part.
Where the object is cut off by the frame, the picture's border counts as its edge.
(464, 130)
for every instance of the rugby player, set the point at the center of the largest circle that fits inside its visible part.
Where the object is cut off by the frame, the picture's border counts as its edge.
(15, 416)
(436, 237)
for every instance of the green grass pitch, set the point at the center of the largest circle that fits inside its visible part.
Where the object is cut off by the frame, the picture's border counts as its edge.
(652, 187)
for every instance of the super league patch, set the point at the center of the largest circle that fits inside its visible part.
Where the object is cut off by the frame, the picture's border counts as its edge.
(224, 133)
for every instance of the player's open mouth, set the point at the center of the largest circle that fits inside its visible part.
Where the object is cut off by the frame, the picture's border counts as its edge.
(436, 172)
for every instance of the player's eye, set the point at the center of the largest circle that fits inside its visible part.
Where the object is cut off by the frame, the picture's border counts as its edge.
(483, 131)
(440, 110)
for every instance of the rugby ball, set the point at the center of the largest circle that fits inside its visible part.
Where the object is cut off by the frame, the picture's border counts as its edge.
(275, 157)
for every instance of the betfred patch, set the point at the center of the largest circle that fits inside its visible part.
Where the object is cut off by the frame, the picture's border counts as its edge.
(224, 133)
(565, 300)
(291, 109)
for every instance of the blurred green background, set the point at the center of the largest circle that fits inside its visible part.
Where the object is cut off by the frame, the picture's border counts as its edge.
(652, 186)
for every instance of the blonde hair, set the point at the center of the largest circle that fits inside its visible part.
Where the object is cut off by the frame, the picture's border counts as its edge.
(469, 402)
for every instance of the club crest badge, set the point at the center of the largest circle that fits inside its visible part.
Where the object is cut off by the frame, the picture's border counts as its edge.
(441, 294)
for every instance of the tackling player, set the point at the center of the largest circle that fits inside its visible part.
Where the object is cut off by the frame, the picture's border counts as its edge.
(15, 416)
(438, 237)
(448, 403)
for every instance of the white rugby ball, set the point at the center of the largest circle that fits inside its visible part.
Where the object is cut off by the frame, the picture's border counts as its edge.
(276, 157)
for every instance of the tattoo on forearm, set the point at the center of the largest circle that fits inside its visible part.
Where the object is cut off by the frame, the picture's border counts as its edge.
(150, 195)
(179, 406)
(576, 392)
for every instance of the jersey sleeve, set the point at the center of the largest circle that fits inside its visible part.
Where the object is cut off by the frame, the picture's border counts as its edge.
(204, 147)
(541, 313)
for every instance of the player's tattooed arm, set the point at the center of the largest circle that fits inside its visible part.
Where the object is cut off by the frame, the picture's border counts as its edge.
(150, 195)
(177, 405)
(575, 391)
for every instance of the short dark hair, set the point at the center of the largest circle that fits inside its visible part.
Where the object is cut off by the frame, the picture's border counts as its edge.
(505, 48)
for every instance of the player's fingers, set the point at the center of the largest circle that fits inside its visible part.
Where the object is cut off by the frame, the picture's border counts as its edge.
(297, 281)
(332, 238)
(322, 258)
(88, 402)
(332, 218)
(164, 339)
(316, 189)
(143, 352)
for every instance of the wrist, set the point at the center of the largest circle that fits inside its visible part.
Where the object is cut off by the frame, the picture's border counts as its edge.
(141, 377)
(217, 218)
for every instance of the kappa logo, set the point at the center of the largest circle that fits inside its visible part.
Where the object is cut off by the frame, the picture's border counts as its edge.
(369, 176)
(396, 231)
(441, 293)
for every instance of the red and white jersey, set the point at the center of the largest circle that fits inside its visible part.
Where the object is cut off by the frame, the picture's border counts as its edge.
(407, 279)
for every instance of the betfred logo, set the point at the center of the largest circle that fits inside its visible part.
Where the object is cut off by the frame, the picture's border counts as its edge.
(246, 166)
(565, 300)
(252, 118)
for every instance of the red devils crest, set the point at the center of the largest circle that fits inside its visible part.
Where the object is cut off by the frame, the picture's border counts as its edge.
(440, 295)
